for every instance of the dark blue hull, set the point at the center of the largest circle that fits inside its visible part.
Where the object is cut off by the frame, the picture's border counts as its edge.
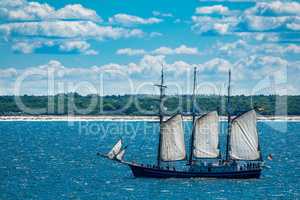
(143, 171)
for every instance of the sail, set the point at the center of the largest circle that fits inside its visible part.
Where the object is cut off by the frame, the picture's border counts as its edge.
(244, 138)
(206, 136)
(115, 150)
(172, 140)
(120, 155)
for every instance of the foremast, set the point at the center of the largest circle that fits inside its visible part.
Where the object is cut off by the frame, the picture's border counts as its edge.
(161, 111)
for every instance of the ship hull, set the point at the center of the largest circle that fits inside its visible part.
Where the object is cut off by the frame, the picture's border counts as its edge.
(142, 171)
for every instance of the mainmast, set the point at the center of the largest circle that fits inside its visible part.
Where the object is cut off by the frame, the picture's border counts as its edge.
(161, 112)
(194, 116)
(228, 116)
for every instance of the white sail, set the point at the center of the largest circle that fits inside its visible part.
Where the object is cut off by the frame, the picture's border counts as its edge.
(120, 155)
(115, 150)
(206, 136)
(172, 140)
(244, 137)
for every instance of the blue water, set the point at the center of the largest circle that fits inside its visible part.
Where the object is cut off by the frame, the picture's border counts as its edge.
(57, 160)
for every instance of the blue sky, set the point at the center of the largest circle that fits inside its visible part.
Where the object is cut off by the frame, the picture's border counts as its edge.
(117, 47)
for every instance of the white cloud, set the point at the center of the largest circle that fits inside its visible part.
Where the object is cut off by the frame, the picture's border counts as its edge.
(130, 20)
(160, 14)
(163, 51)
(186, 50)
(68, 46)
(74, 45)
(11, 4)
(25, 48)
(293, 49)
(76, 11)
(24, 10)
(182, 49)
(276, 16)
(275, 8)
(216, 9)
(8, 73)
(219, 64)
(91, 52)
(241, 49)
(260, 67)
(66, 29)
(261, 23)
(251, 70)
(262, 37)
(155, 34)
(294, 26)
(77, 46)
(27, 25)
(130, 52)
(206, 24)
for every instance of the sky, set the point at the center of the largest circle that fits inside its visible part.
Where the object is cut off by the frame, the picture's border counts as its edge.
(118, 47)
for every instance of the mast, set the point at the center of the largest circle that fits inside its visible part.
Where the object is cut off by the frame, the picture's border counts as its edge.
(194, 116)
(161, 112)
(219, 113)
(228, 116)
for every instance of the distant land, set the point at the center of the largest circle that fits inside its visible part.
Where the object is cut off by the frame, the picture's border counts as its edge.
(145, 105)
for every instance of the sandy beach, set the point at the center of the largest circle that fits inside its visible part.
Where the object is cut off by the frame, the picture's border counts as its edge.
(123, 118)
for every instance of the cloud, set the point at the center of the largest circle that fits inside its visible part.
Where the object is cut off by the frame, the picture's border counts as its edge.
(131, 20)
(294, 26)
(64, 46)
(180, 50)
(272, 16)
(275, 8)
(155, 34)
(261, 23)
(66, 29)
(211, 25)
(259, 36)
(77, 46)
(250, 70)
(148, 65)
(261, 67)
(8, 73)
(264, 17)
(241, 49)
(76, 11)
(292, 49)
(25, 48)
(163, 51)
(130, 52)
(216, 9)
(26, 11)
(27, 25)
(160, 14)
(218, 64)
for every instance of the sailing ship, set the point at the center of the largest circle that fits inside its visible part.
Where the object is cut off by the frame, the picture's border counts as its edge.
(242, 158)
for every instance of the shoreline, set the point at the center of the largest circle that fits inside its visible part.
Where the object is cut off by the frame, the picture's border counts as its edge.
(124, 118)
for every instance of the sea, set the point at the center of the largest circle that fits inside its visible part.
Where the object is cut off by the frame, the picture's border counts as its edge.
(52, 160)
